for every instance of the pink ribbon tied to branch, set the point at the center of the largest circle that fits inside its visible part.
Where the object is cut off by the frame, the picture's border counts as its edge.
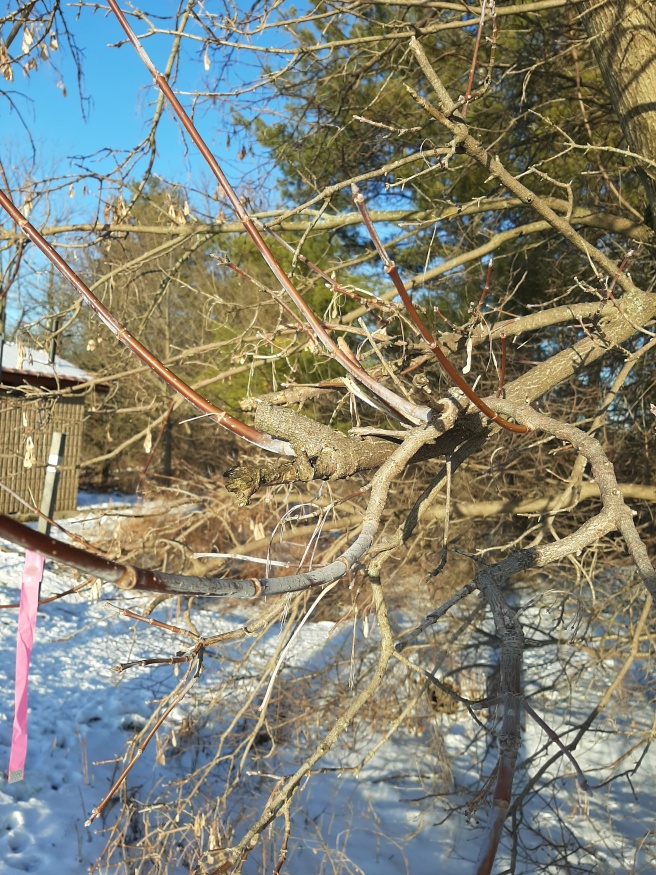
(29, 604)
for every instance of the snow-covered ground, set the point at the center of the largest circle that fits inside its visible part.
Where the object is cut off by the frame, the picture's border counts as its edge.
(390, 819)
(82, 714)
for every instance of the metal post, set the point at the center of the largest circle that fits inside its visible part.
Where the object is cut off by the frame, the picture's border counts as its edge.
(3, 310)
(53, 327)
(51, 482)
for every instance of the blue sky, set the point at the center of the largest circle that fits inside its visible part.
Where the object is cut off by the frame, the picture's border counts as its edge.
(118, 98)
(112, 81)
(110, 111)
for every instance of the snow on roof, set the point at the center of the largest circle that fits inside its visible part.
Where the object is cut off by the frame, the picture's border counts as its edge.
(25, 360)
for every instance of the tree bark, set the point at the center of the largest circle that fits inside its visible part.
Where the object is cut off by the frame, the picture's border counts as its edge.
(623, 38)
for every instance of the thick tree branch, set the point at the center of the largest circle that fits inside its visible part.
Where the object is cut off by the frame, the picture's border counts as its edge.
(282, 220)
(130, 577)
(623, 38)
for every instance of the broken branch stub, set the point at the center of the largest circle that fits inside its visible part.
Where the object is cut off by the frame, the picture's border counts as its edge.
(322, 453)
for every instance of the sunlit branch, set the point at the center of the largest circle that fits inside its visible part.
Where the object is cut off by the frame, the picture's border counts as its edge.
(130, 577)
(290, 220)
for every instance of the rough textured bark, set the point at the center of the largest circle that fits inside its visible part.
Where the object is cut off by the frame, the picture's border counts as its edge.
(322, 453)
(623, 37)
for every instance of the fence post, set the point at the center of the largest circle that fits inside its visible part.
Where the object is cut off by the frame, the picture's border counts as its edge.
(51, 482)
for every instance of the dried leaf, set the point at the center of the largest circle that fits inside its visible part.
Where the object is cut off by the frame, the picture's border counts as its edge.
(28, 39)
(206, 61)
(5, 65)
(470, 345)
(160, 756)
(148, 442)
(93, 593)
(29, 457)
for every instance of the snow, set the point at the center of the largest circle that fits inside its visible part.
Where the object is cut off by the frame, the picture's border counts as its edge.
(16, 357)
(389, 819)
(86, 500)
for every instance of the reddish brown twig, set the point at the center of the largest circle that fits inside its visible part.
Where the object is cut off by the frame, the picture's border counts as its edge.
(472, 71)
(51, 522)
(392, 272)
(85, 561)
(502, 372)
(619, 270)
(413, 412)
(486, 287)
(54, 598)
(221, 417)
(150, 621)
(285, 841)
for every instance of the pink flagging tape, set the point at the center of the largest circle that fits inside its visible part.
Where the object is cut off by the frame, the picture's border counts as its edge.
(29, 603)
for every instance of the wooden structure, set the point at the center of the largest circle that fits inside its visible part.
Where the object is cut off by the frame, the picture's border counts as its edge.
(31, 409)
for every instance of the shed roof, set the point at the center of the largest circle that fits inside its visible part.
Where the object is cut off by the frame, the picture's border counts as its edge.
(21, 363)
